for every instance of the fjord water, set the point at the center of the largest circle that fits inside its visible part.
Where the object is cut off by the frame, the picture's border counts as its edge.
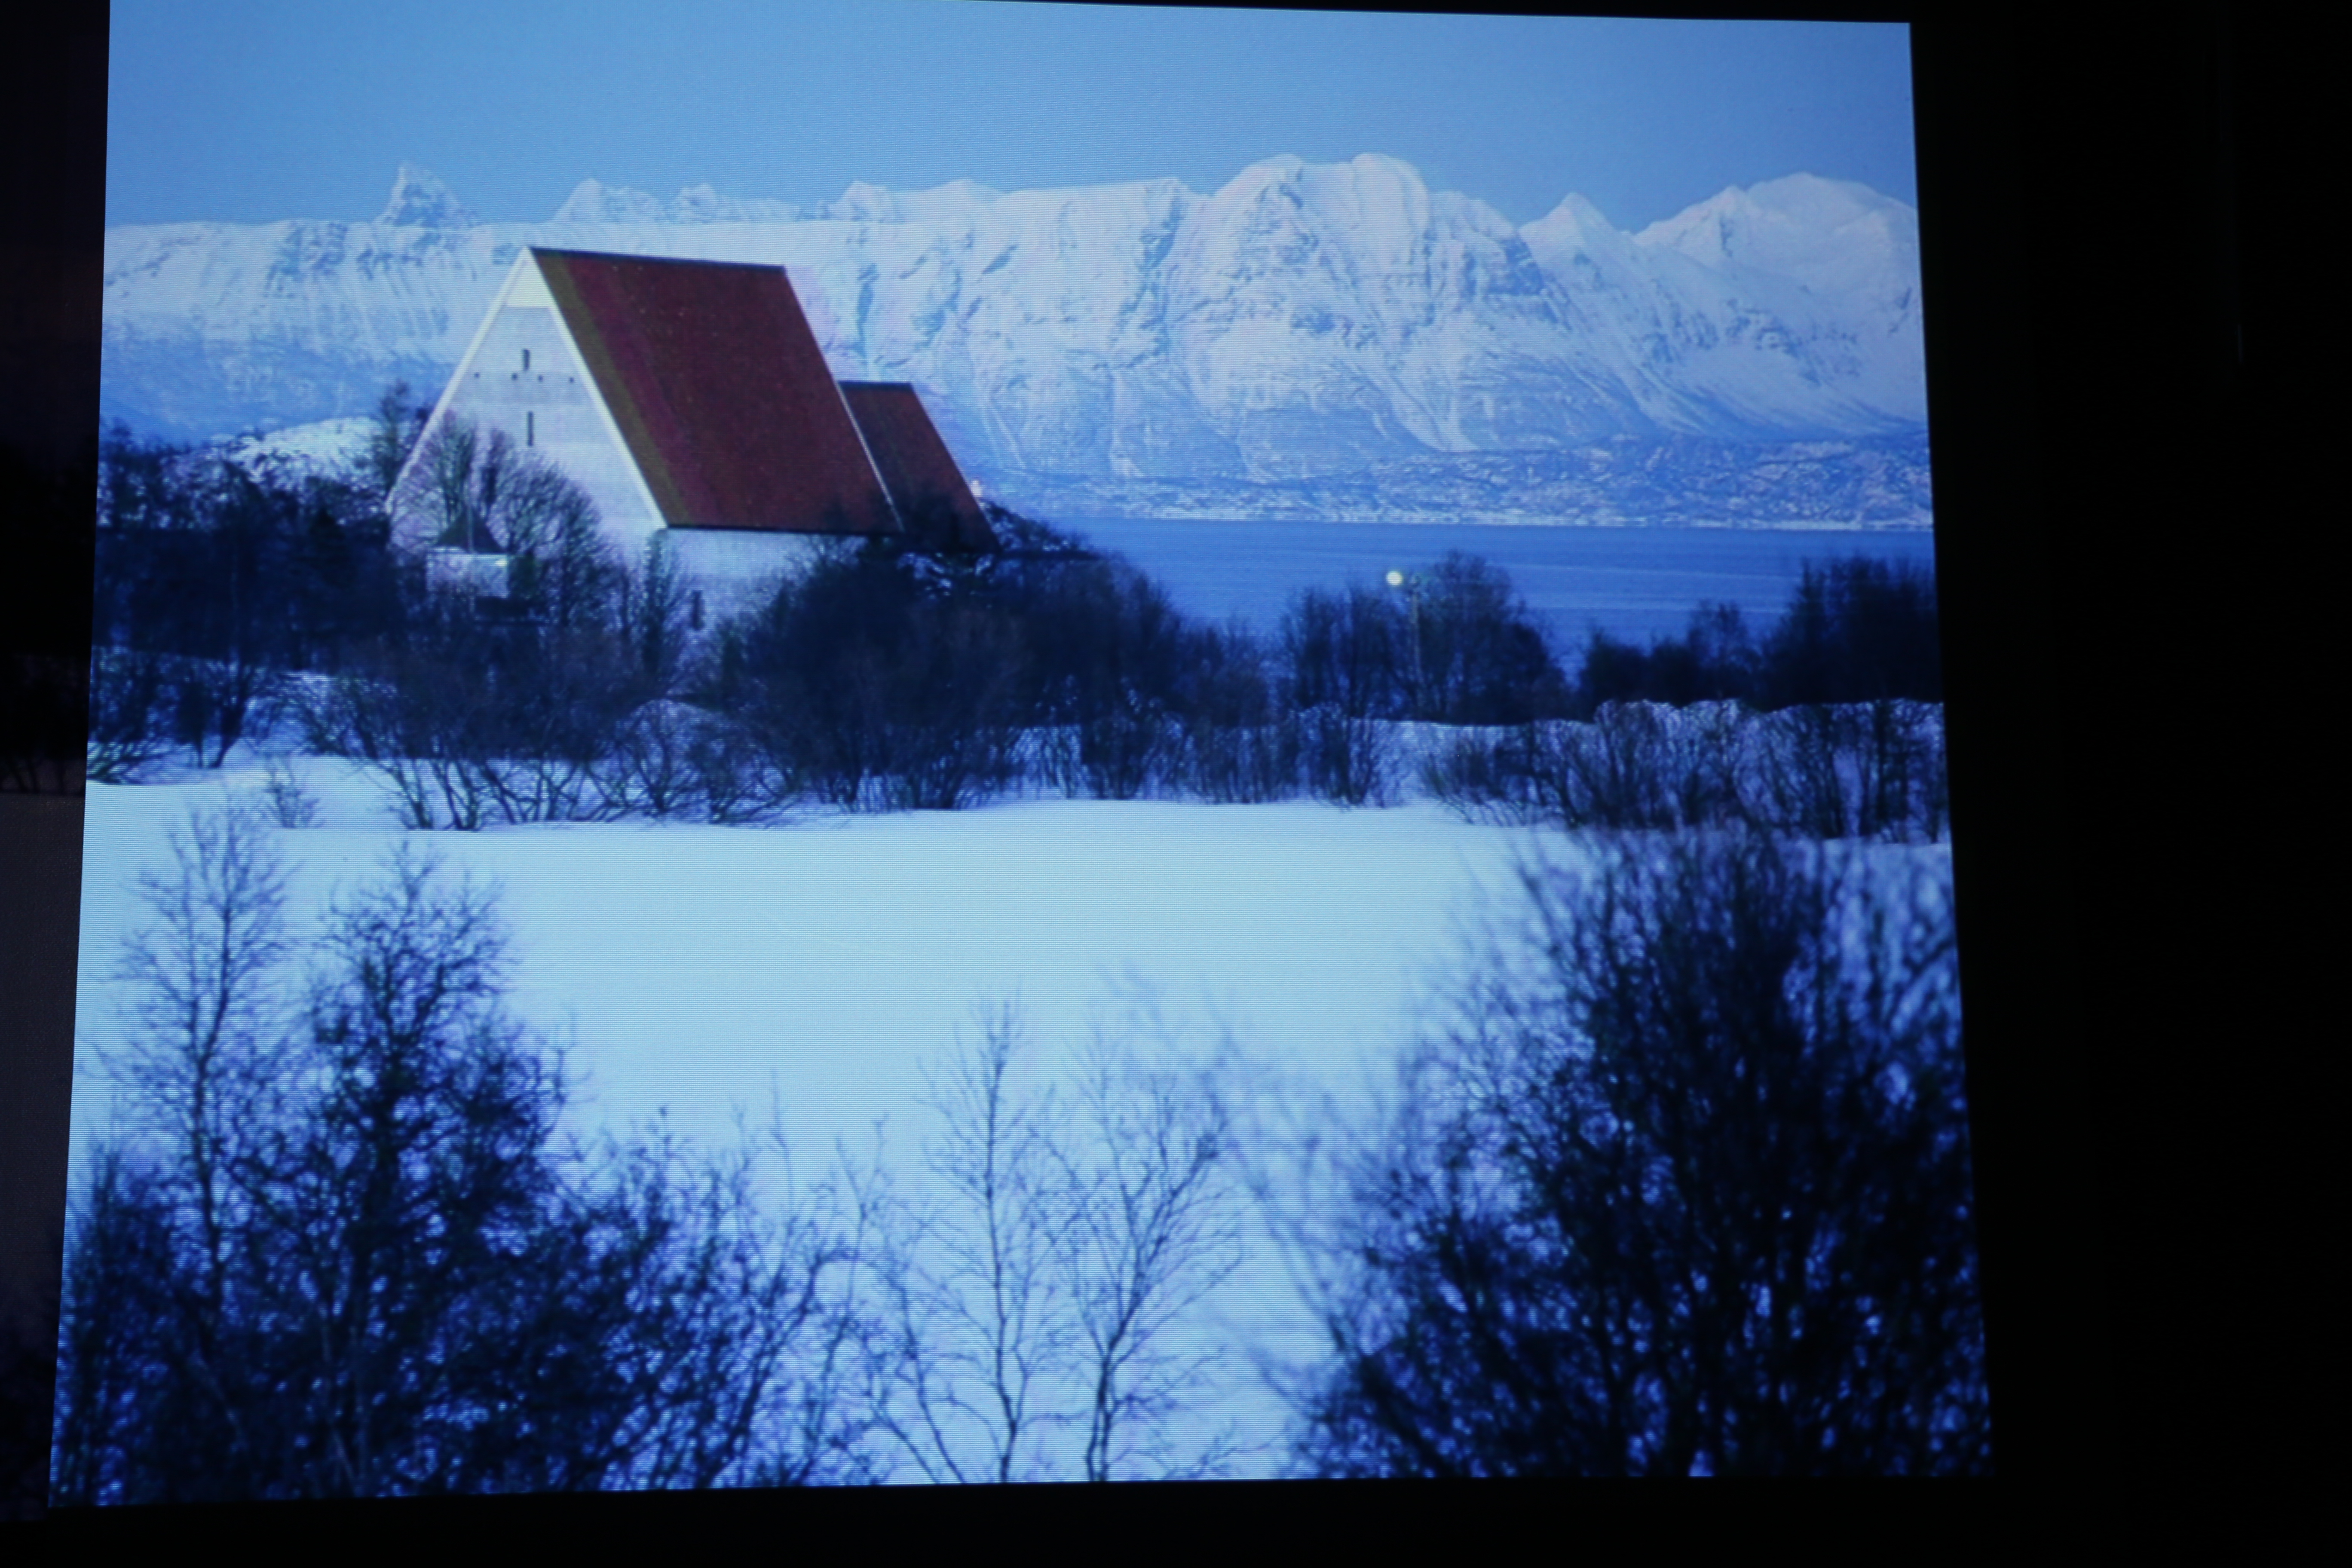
(1635, 584)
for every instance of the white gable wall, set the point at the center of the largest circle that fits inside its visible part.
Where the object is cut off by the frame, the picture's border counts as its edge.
(552, 407)
(549, 405)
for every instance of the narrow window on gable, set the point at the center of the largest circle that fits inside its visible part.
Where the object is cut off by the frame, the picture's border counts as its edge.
(529, 428)
(526, 359)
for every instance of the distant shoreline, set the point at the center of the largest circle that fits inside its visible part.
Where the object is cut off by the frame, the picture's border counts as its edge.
(1591, 489)
(1503, 519)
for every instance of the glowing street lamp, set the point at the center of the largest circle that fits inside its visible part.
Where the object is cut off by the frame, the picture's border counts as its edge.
(1411, 584)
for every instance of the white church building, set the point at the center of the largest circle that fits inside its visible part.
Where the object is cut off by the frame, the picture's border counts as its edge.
(690, 401)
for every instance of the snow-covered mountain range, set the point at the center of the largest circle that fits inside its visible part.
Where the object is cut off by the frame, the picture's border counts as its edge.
(1338, 331)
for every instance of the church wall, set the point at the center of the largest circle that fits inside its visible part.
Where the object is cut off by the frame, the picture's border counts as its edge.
(547, 408)
(738, 572)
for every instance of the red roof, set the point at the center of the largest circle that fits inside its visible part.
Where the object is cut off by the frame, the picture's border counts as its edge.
(722, 393)
(934, 501)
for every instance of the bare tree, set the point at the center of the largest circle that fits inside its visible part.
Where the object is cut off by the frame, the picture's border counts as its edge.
(1683, 1189)
(204, 1025)
(126, 704)
(473, 489)
(1041, 1301)
(454, 480)
(152, 1278)
(396, 424)
(567, 570)
(349, 1255)
(1153, 1229)
(1345, 661)
(653, 615)
(984, 1319)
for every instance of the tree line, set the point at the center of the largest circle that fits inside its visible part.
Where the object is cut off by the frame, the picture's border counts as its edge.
(579, 685)
(1855, 630)
(1854, 771)
(217, 579)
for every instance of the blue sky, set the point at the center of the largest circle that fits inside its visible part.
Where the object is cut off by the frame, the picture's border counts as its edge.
(252, 111)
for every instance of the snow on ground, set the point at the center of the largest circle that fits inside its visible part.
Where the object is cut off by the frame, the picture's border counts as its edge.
(694, 964)
(697, 970)
(695, 967)
(324, 446)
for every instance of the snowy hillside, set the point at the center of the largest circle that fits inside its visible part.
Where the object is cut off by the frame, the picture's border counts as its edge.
(1302, 325)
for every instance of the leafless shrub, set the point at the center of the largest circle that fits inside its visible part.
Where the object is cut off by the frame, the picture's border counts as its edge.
(127, 700)
(291, 804)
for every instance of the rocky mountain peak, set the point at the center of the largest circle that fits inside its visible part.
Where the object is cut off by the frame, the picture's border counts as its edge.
(420, 200)
(593, 201)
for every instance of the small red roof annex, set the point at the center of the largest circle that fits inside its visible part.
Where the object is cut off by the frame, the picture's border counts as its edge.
(933, 498)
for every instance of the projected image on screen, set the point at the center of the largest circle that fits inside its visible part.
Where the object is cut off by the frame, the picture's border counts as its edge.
(1160, 744)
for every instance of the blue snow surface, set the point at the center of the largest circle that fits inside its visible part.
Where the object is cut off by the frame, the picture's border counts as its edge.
(1635, 584)
(819, 965)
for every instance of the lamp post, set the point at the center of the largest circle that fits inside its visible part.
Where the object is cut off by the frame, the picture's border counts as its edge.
(1410, 583)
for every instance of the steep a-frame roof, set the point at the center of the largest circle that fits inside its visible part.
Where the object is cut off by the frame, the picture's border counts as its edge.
(933, 498)
(720, 391)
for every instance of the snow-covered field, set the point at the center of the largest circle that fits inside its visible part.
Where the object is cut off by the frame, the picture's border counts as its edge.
(814, 966)
(694, 965)
(697, 969)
